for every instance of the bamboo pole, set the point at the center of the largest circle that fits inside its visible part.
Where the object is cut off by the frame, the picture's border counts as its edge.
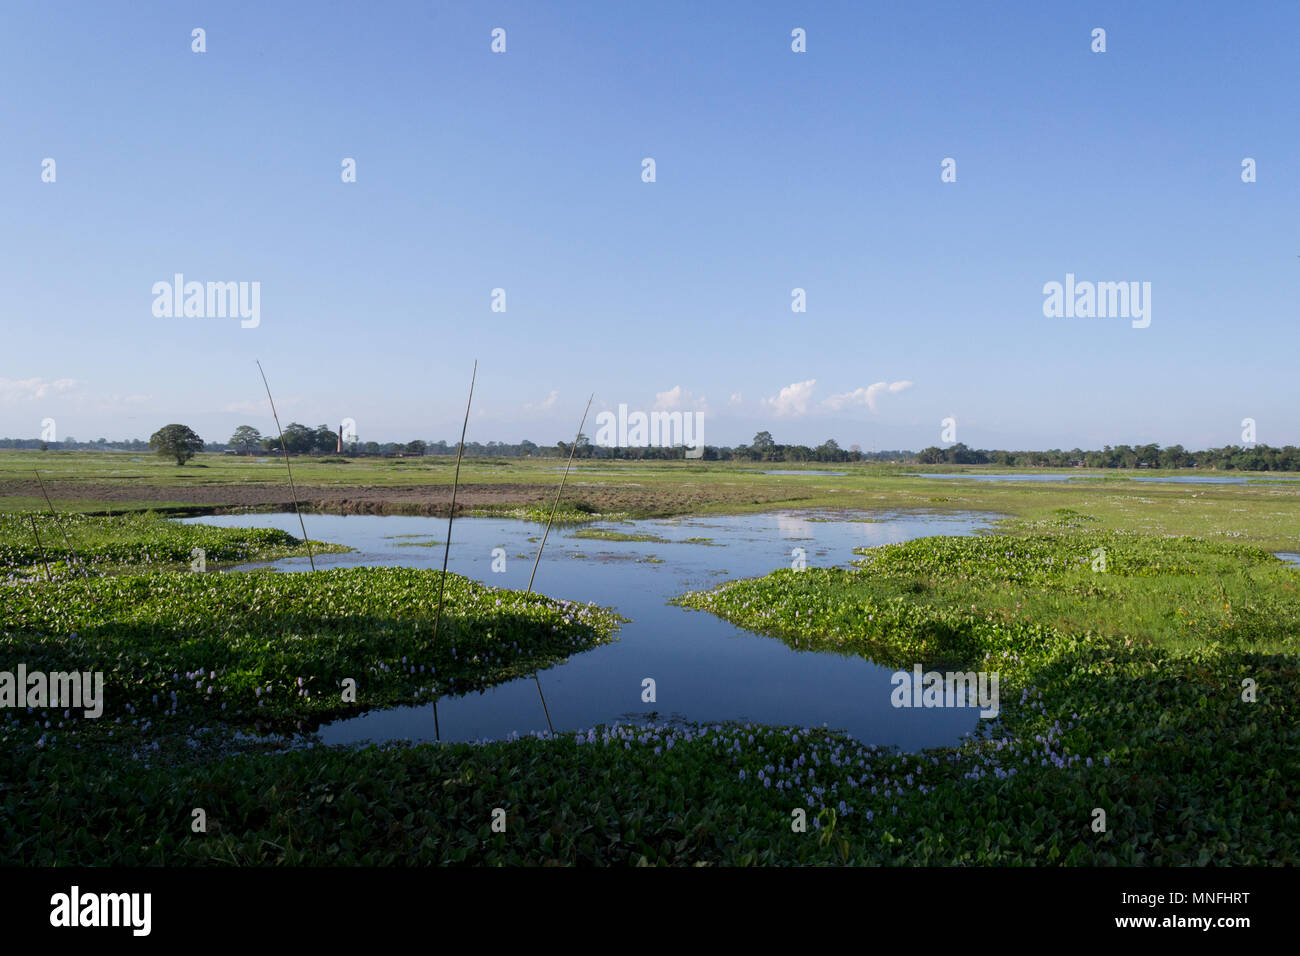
(555, 505)
(563, 479)
(446, 551)
(55, 515)
(285, 451)
(44, 560)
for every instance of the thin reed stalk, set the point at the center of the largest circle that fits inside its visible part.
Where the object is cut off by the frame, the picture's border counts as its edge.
(455, 485)
(554, 506)
(55, 515)
(40, 547)
(285, 451)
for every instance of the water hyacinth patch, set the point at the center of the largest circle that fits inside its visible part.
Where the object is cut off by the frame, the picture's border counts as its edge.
(133, 542)
(267, 649)
(1206, 782)
(1005, 600)
(1140, 713)
(541, 515)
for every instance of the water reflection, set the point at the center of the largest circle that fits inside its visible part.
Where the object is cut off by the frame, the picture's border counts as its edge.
(704, 669)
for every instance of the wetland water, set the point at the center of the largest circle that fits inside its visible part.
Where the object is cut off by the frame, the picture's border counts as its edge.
(704, 668)
(1170, 479)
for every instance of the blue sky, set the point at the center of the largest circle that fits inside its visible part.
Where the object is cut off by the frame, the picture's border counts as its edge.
(774, 170)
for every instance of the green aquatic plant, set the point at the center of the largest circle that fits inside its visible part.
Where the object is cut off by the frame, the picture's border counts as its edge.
(271, 649)
(960, 599)
(138, 541)
(539, 515)
(605, 534)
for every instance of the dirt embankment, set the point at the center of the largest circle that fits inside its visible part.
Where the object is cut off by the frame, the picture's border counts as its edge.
(633, 499)
(425, 499)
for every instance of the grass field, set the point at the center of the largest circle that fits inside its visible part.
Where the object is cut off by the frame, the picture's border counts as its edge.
(957, 600)
(1262, 512)
(1158, 685)
(1151, 677)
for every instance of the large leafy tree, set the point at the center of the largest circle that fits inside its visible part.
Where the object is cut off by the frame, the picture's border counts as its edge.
(324, 440)
(177, 441)
(298, 438)
(829, 450)
(245, 439)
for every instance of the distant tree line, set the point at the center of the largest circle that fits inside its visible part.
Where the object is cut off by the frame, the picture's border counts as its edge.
(1227, 458)
(71, 444)
(322, 440)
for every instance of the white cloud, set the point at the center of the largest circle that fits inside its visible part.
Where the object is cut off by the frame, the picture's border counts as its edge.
(793, 399)
(545, 405)
(868, 396)
(15, 390)
(678, 399)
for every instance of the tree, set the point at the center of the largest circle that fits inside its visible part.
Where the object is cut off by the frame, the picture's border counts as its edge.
(417, 447)
(1175, 456)
(297, 438)
(245, 439)
(176, 440)
(324, 440)
(829, 450)
(763, 445)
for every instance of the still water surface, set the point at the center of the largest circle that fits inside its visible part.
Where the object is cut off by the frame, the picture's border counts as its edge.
(704, 669)
(1169, 479)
